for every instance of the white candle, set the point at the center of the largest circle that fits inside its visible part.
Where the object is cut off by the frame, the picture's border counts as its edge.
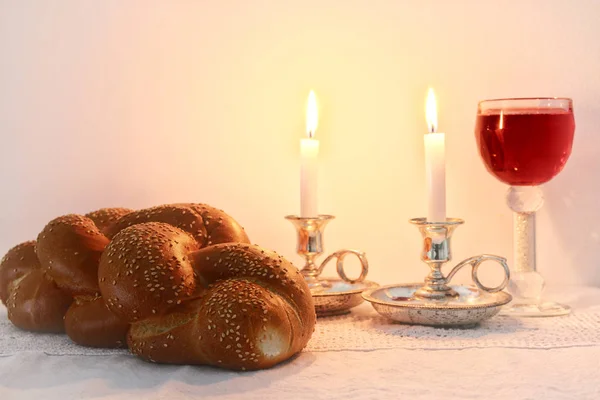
(435, 164)
(309, 150)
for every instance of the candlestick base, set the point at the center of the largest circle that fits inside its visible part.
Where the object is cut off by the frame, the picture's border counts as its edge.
(331, 296)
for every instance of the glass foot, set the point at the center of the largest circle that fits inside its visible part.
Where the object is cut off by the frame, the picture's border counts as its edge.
(543, 309)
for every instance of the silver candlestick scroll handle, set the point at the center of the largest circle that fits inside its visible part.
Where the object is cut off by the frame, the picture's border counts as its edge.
(331, 296)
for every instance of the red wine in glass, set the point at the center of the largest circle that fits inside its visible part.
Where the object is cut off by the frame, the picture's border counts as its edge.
(525, 143)
(525, 147)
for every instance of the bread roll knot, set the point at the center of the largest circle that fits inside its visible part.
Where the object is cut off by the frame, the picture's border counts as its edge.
(192, 300)
(51, 285)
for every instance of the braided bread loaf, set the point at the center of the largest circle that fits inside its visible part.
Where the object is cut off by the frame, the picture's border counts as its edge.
(177, 283)
(231, 305)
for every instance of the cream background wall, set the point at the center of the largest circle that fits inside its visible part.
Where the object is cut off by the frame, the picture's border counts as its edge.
(138, 103)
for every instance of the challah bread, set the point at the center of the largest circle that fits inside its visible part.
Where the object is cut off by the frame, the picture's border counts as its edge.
(33, 300)
(232, 261)
(155, 275)
(65, 259)
(89, 322)
(255, 314)
(178, 283)
(69, 248)
(105, 218)
(237, 325)
(35, 303)
(167, 339)
(17, 262)
(206, 224)
(146, 270)
(220, 227)
(259, 301)
(153, 253)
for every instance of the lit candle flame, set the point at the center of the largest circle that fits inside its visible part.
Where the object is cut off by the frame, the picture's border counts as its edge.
(431, 112)
(312, 115)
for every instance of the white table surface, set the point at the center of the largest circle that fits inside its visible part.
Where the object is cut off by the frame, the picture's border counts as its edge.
(490, 373)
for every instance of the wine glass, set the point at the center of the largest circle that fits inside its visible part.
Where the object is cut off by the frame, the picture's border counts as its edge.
(525, 142)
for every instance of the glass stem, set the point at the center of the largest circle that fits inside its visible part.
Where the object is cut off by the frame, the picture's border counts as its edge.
(524, 242)
(526, 284)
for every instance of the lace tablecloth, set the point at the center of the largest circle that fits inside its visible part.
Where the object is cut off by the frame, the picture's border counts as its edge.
(364, 329)
(352, 357)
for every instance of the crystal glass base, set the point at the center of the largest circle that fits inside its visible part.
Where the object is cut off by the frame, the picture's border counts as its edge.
(542, 309)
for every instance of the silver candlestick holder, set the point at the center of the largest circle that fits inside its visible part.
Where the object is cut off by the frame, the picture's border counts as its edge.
(332, 296)
(437, 251)
(436, 302)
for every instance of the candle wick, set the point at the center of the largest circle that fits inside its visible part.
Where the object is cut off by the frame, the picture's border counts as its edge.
(311, 134)
(432, 128)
